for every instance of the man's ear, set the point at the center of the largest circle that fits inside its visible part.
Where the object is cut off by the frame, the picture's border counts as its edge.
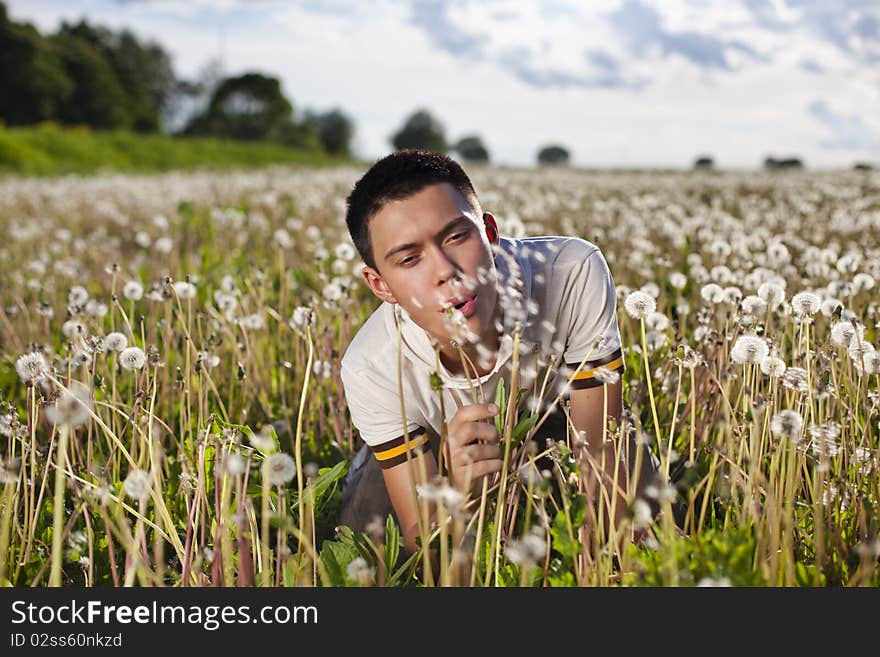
(491, 228)
(377, 284)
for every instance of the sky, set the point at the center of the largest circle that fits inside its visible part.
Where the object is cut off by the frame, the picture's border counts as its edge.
(623, 83)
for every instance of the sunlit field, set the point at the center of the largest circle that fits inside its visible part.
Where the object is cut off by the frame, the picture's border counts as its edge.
(171, 411)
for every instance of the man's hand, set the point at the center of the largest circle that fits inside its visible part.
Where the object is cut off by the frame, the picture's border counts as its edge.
(472, 446)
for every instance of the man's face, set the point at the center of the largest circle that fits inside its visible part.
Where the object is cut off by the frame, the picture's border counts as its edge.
(428, 250)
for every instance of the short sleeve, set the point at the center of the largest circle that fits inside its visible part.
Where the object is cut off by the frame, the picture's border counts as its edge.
(374, 406)
(593, 316)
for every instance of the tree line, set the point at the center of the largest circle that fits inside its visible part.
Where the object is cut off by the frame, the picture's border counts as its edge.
(89, 75)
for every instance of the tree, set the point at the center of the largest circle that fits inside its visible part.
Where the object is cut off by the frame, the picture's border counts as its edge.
(98, 99)
(33, 81)
(334, 130)
(553, 154)
(704, 162)
(471, 148)
(143, 71)
(421, 130)
(772, 163)
(249, 106)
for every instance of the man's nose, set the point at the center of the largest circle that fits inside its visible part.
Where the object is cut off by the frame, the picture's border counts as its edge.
(444, 268)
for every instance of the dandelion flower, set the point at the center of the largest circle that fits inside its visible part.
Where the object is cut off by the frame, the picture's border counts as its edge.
(712, 293)
(73, 406)
(749, 349)
(862, 281)
(359, 571)
(115, 341)
(344, 251)
(805, 304)
(77, 296)
(795, 378)
(279, 468)
(772, 293)
(842, 333)
(677, 280)
(32, 367)
(132, 358)
(753, 305)
(639, 304)
(184, 290)
(657, 321)
(283, 238)
(133, 290)
(332, 292)
(137, 484)
(859, 348)
(773, 366)
(787, 424)
(72, 328)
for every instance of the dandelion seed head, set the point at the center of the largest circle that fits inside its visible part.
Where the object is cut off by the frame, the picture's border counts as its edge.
(773, 366)
(132, 358)
(795, 378)
(279, 468)
(184, 290)
(772, 293)
(137, 484)
(72, 407)
(787, 424)
(639, 304)
(359, 571)
(32, 367)
(712, 293)
(749, 349)
(805, 304)
(677, 280)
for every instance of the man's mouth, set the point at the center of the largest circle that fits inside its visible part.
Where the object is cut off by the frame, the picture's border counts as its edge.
(463, 304)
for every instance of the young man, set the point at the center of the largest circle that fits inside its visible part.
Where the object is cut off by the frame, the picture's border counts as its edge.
(449, 280)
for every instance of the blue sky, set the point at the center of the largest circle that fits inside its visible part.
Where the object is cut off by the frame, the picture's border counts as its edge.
(620, 83)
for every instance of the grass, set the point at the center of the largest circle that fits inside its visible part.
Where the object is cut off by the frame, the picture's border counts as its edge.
(172, 474)
(50, 150)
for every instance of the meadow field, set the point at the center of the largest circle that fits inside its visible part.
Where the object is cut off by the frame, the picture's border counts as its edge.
(171, 411)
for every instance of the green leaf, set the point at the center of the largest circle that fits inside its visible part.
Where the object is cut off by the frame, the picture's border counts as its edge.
(501, 403)
(522, 428)
(392, 543)
(335, 557)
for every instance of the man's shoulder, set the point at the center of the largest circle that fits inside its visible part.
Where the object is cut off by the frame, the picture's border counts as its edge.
(371, 343)
(558, 250)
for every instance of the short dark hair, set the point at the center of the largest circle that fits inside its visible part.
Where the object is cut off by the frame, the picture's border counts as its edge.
(394, 177)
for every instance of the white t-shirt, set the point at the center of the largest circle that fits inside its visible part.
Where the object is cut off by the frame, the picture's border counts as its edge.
(561, 291)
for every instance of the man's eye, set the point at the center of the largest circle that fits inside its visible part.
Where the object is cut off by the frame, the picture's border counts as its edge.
(458, 236)
(409, 260)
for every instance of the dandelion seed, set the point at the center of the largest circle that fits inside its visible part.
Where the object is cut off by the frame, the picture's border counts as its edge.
(795, 378)
(712, 293)
(344, 251)
(842, 333)
(605, 375)
(359, 571)
(208, 359)
(749, 349)
(132, 358)
(264, 440)
(773, 366)
(133, 290)
(115, 341)
(234, 464)
(279, 468)
(859, 348)
(639, 304)
(862, 281)
(164, 245)
(805, 304)
(642, 515)
(772, 293)
(73, 407)
(753, 305)
(787, 424)
(72, 328)
(677, 280)
(77, 297)
(184, 290)
(714, 582)
(253, 322)
(32, 368)
(656, 321)
(332, 292)
(137, 485)
(283, 238)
